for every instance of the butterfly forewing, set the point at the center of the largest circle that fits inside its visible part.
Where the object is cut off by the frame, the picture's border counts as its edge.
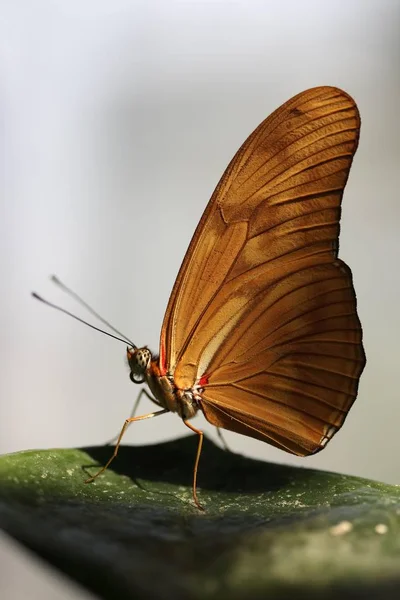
(263, 313)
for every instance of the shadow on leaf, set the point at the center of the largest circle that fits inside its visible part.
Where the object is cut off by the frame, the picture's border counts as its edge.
(172, 462)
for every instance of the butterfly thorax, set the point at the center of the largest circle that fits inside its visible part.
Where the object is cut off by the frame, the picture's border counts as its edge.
(145, 368)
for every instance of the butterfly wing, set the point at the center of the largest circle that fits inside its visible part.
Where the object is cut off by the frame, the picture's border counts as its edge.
(263, 313)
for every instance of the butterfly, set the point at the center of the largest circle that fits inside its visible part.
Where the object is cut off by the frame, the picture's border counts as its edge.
(261, 332)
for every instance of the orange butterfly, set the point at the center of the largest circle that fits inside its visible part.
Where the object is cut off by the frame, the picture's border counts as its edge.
(261, 331)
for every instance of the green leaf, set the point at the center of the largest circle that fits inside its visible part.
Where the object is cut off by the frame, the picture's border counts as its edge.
(268, 530)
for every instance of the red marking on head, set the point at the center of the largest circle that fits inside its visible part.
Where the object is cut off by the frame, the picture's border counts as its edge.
(203, 380)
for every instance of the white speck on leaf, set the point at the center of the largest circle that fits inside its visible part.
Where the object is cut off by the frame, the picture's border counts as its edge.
(381, 528)
(341, 528)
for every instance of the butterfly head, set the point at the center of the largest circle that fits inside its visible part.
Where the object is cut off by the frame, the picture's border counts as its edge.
(139, 360)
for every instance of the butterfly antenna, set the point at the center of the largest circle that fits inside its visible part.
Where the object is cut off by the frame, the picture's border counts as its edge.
(123, 339)
(80, 301)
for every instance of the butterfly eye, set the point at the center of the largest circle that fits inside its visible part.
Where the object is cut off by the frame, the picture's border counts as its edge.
(138, 360)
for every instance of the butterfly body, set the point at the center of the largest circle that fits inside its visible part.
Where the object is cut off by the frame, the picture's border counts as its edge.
(166, 394)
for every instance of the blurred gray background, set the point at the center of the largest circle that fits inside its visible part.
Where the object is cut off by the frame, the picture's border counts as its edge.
(119, 119)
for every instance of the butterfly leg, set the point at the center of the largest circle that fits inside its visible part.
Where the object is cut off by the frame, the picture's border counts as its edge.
(196, 462)
(127, 422)
(222, 440)
(142, 392)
